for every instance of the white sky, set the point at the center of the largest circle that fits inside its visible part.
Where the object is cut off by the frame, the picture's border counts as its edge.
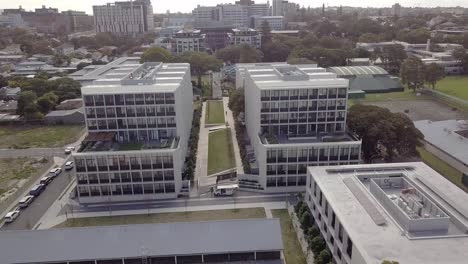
(160, 6)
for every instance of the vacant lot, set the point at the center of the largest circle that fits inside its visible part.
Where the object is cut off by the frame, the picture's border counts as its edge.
(38, 136)
(398, 96)
(214, 112)
(454, 85)
(15, 172)
(292, 249)
(442, 167)
(421, 109)
(167, 217)
(220, 151)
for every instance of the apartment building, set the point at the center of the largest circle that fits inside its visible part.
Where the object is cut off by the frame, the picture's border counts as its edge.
(126, 18)
(283, 8)
(231, 241)
(188, 40)
(276, 22)
(223, 14)
(138, 118)
(295, 117)
(247, 36)
(404, 212)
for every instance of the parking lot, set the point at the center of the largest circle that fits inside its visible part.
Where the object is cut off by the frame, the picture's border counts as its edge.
(422, 109)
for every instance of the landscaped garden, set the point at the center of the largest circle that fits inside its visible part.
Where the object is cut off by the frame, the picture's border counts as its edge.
(214, 112)
(220, 151)
(292, 249)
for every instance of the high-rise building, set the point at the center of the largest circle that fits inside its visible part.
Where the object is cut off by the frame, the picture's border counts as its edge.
(295, 117)
(403, 212)
(396, 10)
(127, 18)
(234, 15)
(283, 8)
(138, 118)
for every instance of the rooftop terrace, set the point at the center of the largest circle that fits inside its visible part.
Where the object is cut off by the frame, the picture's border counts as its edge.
(272, 139)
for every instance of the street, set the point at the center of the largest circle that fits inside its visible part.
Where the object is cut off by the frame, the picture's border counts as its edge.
(29, 216)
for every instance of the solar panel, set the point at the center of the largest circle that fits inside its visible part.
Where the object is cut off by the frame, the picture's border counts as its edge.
(365, 201)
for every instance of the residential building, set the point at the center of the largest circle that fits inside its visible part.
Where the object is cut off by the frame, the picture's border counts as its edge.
(448, 140)
(396, 10)
(231, 241)
(295, 117)
(233, 15)
(283, 8)
(216, 37)
(403, 212)
(12, 20)
(138, 118)
(79, 20)
(276, 22)
(10, 93)
(127, 18)
(247, 36)
(188, 40)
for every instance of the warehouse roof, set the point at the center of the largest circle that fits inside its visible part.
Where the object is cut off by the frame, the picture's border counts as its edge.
(125, 241)
(358, 70)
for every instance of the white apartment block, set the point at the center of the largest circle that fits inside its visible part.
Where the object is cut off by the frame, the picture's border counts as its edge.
(188, 40)
(404, 212)
(138, 118)
(295, 117)
(276, 22)
(247, 36)
(226, 14)
(131, 17)
(283, 8)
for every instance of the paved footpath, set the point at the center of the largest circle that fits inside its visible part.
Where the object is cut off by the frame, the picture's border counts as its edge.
(201, 168)
(230, 120)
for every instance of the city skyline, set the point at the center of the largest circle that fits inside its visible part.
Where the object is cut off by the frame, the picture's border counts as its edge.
(161, 6)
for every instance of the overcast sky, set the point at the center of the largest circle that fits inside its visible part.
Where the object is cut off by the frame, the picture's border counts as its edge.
(160, 6)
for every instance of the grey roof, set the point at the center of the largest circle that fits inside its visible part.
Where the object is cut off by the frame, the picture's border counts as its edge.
(129, 240)
(442, 135)
(358, 70)
(64, 112)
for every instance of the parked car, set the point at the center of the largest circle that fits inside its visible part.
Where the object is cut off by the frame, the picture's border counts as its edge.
(55, 172)
(69, 165)
(26, 201)
(11, 216)
(69, 150)
(46, 180)
(37, 189)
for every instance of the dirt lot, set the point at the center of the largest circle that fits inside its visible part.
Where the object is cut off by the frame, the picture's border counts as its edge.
(422, 109)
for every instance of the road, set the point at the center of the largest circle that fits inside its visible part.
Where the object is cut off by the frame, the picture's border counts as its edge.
(29, 216)
(253, 198)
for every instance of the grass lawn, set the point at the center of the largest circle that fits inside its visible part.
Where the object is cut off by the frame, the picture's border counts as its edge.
(220, 151)
(442, 167)
(16, 171)
(292, 249)
(166, 217)
(454, 85)
(405, 95)
(38, 136)
(214, 112)
(130, 146)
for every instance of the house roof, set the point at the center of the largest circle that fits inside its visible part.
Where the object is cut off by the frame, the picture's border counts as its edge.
(138, 240)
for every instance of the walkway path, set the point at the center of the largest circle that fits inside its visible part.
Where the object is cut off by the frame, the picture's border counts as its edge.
(201, 169)
(216, 85)
(230, 121)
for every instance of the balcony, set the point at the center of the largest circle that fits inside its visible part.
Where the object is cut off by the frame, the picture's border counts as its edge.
(265, 99)
(103, 168)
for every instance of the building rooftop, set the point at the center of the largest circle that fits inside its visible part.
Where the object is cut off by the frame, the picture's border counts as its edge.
(124, 241)
(280, 76)
(270, 139)
(127, 75)
(450, 136)
(405, 212)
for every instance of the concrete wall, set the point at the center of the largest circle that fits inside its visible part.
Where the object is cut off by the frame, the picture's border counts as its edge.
(447, 158)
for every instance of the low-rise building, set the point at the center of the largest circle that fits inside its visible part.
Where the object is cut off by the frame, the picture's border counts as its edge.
(247, 36)
(65, 117)
(448, 140)
(275, 22)
(188, 40)
(234, 241)
(9, 93)
(403, 212)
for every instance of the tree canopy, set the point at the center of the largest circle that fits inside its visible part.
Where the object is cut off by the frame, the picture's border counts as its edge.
(385, 135)
(200, 63)
(239, 54)
(156, 54)
(413, 73)
(434, 73)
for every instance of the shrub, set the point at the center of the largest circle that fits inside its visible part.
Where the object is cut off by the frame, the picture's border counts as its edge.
(305, 220)
(313, 232)
(323, 258)
(317, 244)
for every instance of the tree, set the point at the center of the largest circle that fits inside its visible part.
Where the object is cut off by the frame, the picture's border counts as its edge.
(459, 53)
(317, 244)
(434, 73)
(412, 73)
(313, 232)
(385, 135)
(200, 63)
(275, 51)
(236, 101)
(294, 60)
(390, 262)
(392, 56)
(47, 102)
(243, 53)
(65, 88)
(305, 220)
(156, 54)
(323, 258)
(26, 98)
(60, 60)
(265, 30)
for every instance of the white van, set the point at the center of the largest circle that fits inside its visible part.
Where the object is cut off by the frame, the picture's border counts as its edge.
(26, 201)
(225, 190)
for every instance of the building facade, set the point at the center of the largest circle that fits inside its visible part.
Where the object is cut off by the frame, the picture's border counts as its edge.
(403, 212)
(138, 118)
(276, 22)
(188, 40)
(296, 117)
(126, 18)
(247, 36)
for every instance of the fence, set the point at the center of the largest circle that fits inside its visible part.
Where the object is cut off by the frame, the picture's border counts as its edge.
(300, 235)
(5, 204)
(447, 99)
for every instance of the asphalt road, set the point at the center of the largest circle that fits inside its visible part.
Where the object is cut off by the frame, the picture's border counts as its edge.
(31, 215)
